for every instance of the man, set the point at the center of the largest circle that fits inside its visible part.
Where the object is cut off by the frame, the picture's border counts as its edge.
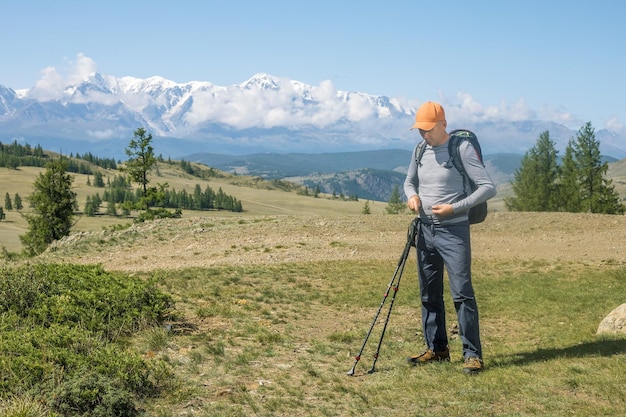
(435, 189)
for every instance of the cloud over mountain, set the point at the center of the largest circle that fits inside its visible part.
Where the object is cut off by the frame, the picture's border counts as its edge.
(90, 110)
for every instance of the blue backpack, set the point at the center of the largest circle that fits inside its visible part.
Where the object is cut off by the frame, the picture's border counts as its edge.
(478, 213)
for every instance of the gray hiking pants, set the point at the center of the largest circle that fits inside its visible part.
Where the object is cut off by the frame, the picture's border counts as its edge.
(449, 246)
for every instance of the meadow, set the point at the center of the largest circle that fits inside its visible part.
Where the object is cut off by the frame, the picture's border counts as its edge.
(270, 307)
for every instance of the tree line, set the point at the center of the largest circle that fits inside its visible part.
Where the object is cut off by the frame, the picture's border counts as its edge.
(15, 155)
(575, 183)
(120, 194)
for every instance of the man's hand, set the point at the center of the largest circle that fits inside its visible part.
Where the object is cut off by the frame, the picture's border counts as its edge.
(443, 210)
(414, 203)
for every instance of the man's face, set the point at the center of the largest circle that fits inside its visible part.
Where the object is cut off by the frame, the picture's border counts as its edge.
(437, 135)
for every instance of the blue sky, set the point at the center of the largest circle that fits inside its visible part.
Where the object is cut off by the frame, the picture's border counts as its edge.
(556, 60)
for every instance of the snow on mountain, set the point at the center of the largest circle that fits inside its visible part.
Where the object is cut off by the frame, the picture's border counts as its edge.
(263, 114)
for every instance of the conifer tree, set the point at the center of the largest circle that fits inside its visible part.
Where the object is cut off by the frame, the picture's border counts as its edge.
(54, 204)
(18, 202)
(534, 184)
(141, 160)
(596, 192)
(366, 208)
(569, 187)
(111, 208)
(98, 179)
(7, 202)
(89, 209)
(395, 205)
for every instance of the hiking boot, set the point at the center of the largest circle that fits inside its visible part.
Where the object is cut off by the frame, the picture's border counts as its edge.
(472, 365)
(430, 356)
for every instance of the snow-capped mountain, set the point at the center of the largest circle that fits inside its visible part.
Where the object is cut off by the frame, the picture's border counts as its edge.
(262, 114)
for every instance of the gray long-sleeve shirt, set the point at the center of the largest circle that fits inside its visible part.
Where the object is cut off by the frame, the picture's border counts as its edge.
(435, 183)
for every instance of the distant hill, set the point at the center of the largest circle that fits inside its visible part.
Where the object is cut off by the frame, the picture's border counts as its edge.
(276, 165)
(364, 184)
(367, 175)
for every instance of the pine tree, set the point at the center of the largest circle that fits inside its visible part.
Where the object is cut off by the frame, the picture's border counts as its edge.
(98, 179)
(89, 210)
(54, 204)
(111, 208)
(569, 187)
(18, 202)
(7, 202)
(395, 205)
(96, 202)
(140, 162)
(366, 208)
(535, 181)
(596, 194)
(590, 168)
(197, 197)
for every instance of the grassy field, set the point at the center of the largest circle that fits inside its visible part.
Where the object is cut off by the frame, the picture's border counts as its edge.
(256, 197)
(277, 339)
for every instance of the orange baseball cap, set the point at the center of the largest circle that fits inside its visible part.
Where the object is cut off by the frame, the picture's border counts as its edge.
(428, 115)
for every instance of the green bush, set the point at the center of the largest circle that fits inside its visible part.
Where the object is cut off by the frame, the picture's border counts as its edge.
(110, 304)
(59, 325)
(91, 394)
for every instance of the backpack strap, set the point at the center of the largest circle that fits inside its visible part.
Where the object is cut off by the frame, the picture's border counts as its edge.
(454, 146)
(419, 152)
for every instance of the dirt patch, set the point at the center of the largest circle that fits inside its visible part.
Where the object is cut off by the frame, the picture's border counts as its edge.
(208, 241)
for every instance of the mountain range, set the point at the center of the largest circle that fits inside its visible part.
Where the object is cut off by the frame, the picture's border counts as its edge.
(265, 114)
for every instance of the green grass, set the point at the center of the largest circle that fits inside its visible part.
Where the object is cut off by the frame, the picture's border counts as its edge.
(279, 340)
(283, 338)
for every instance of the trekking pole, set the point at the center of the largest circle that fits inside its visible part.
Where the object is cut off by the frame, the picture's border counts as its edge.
(397, 274)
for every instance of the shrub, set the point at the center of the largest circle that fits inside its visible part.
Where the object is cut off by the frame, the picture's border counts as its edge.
(59, 325)
(109, 304)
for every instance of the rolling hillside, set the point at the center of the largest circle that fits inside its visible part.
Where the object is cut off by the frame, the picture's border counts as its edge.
(276, 196)
(259, 198)
(369, 175)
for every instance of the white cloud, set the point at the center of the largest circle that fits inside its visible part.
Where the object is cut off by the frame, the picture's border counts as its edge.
(466, 109)
(614, 125)
(561, 116)
(256, 107)
(53, 82)
(359, 108)
(80, 69)
(101, 134)
(49, 87)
